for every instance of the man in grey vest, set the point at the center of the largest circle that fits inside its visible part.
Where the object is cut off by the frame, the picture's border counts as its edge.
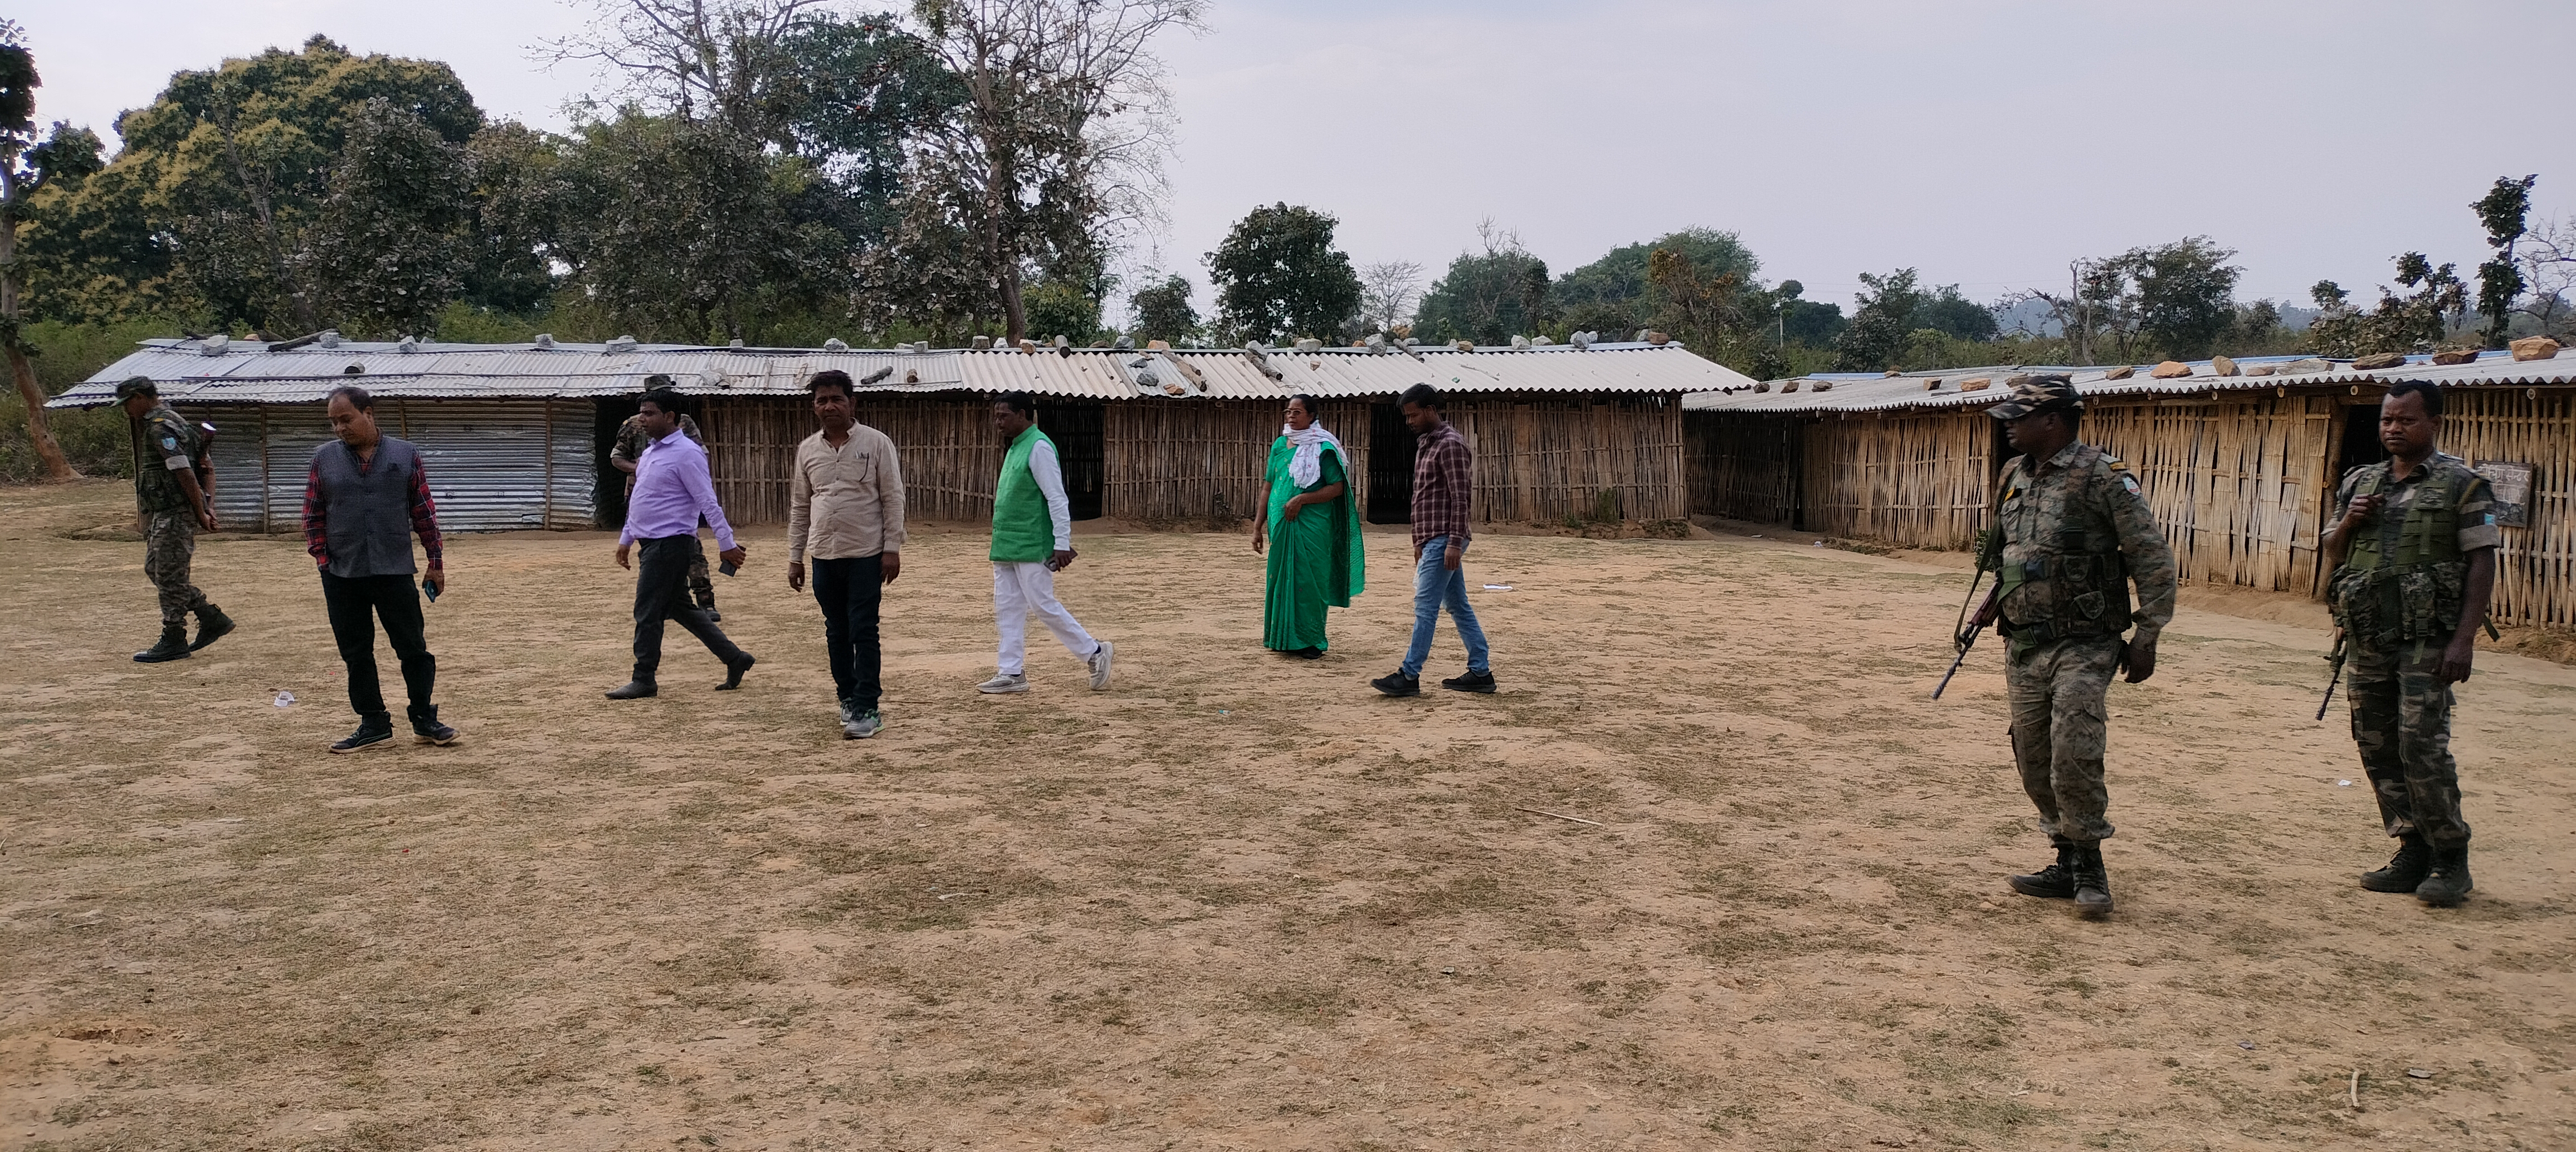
(364, 500)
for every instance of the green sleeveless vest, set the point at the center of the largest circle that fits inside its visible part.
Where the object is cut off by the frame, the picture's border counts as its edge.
(2405, 579)
(1023, 533)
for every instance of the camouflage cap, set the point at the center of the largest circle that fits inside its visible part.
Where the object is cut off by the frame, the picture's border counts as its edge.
(658, 380)
(2039, 394)
(133, 386)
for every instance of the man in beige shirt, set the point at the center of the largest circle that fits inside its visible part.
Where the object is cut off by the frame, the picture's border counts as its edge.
(845, 510)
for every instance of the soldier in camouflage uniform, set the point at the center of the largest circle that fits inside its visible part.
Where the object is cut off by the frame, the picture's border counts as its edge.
(174, 507)
(2071, 532)
(2414, 544)
(631, 440)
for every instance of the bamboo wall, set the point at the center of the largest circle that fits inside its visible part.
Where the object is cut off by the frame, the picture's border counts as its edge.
(1743, 467)
(947, 447)
(1541, 459)
(2238, 484)
(1537, 458)
(1920, 479)
(2536, 566)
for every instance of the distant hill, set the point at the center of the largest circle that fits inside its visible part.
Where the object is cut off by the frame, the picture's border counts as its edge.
(2032, 316)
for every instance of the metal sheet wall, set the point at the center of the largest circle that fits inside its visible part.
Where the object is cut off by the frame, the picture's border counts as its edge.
(492, 465)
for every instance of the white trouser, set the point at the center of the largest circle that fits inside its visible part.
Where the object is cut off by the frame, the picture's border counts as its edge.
(1019, 589)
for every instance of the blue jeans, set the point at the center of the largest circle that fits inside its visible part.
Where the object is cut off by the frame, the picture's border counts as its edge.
(1434, 586)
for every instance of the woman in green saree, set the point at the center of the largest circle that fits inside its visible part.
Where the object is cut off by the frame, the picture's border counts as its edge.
(1313, 528)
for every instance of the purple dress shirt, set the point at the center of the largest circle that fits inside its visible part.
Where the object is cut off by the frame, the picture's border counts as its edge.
(672, 490)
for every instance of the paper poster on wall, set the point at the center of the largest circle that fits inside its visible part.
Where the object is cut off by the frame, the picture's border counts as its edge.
(2512, 485)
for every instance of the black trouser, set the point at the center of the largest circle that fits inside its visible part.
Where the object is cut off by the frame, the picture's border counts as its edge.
(662, 593)
(355, 603)
(849, 591)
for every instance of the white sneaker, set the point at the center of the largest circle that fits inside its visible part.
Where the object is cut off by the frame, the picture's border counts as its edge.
(1000, 684)
(1100, 666)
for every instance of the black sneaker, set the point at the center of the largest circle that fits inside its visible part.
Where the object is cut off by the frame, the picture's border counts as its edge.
(1471, 682)
(1396, 683)
(371, 732)
(433, 733)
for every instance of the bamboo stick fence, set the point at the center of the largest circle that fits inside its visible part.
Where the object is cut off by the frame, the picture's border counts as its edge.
(2536, 566)
(1743, 467)
(1537, 458)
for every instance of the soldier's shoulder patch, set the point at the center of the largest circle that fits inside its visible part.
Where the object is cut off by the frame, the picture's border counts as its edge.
(169, 442)
(2129, 482)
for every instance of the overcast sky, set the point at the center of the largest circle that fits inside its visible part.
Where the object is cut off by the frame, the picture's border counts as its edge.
(1985, 142)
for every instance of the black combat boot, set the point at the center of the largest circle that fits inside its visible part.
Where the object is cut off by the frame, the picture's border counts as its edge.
(173, 646)
(2447, 882)
(212, 625)
(2092, 880)
(2405, 870)
(2055, 882)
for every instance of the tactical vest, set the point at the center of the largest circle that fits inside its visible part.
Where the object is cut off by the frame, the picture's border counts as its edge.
(2403, 578)
(2076, 566)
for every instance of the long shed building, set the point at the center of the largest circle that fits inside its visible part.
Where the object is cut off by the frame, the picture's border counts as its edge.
(516, 436)
(2240, 469)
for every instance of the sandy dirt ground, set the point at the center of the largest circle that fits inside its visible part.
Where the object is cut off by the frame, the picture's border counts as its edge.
(1238, 901)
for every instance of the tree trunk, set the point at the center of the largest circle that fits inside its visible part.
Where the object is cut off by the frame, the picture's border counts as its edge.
(22, 373)
(47, 449)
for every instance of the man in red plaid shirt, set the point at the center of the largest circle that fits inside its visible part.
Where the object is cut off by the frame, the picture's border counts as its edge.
(1444, 478)
(364, 500)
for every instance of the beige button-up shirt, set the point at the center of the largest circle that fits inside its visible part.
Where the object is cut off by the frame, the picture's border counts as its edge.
(845, 502)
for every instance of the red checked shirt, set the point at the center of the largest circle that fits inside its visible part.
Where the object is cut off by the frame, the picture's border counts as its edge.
(1444, 478)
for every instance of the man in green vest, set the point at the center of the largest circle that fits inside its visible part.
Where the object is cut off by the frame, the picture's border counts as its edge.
(1032, 541)
(2414, 546)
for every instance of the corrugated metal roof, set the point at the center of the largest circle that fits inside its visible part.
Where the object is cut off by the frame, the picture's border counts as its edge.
(1864, 392)
(250, 374)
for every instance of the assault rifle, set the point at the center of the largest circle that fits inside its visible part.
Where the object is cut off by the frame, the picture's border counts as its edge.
(2341, 642)
(1966, 637)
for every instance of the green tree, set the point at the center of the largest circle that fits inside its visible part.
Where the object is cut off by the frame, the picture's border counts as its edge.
(2504, 210)
(1881, 322)
(1481, 296)
(1947, 312)
(2185, 294)
(682, 229)
(392, 242)
(1277, 275)
(1163, 312)
(208, 206)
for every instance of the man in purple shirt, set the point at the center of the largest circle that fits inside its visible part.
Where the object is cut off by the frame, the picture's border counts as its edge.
(672, 490)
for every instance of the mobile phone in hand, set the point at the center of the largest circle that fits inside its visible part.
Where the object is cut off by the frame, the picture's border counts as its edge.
(728, 568)
(431, 590)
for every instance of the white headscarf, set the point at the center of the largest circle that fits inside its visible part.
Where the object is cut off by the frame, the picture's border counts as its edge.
(1307, 465)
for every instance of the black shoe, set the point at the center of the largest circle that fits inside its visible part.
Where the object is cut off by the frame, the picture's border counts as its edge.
(2055, 882)
(634, 690)
(1471, 682)
(1309, 652)
(1396, 683)
(2447, 883)
(733, 673)
(2092, 880)
(426, 729)
(2405, 870)
(371, 731)
(173, 645)
(212, 625)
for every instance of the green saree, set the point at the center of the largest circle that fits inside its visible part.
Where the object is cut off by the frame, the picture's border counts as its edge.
(1315, 559)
